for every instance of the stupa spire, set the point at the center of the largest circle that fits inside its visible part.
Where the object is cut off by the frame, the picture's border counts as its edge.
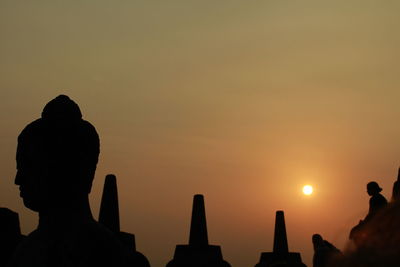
(198, 227)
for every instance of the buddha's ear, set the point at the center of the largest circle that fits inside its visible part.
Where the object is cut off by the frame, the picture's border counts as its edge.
(87, 180)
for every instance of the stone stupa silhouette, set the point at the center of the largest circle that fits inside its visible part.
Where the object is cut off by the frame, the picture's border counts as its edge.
(198, 253)
(109, 217)
(280, 256)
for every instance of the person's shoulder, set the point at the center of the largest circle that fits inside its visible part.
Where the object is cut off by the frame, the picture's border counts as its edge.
(378, 198)
(382, 198)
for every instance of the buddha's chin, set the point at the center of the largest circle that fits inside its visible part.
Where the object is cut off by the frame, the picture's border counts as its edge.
(30, 204)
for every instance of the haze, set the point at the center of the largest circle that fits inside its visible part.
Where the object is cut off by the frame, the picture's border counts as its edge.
(242, 101)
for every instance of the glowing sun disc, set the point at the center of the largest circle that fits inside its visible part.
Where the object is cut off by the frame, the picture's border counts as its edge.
(307, 190)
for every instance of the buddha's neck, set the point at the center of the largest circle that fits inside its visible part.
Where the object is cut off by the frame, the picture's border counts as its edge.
(66, 214)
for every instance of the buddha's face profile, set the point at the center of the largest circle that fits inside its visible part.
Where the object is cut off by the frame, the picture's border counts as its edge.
(56, 157)
(32, 177)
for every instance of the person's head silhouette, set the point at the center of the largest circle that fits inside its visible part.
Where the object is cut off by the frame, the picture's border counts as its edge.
(373, 188)
(56, 157)
(317, 239)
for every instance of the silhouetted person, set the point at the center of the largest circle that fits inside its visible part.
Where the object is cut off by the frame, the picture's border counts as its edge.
(198, 253)
(109, 217)
(396, 189)
(280, 256)
(377, 203)
(56, 162)
(324, 252)
(10, 234)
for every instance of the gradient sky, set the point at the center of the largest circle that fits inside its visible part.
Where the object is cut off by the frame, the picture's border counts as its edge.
(242, 101)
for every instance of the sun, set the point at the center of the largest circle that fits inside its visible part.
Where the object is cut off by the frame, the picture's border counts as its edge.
(307, 190)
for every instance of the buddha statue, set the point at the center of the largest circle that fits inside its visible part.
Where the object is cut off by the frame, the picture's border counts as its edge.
(56, 158)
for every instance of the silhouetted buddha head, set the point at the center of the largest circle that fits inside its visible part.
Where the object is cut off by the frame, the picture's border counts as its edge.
(373, 188)
(56, 156)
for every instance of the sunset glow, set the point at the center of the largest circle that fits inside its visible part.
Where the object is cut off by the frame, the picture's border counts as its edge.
(257, 105)
(307, 190)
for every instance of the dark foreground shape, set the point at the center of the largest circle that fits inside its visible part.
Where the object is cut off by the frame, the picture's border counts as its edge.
(377, 204)
(57, 156)
(379, 245)
(109, 217)
(280, 256)
(325, 254)
(396, 188)
(198, 253)
(10, 234)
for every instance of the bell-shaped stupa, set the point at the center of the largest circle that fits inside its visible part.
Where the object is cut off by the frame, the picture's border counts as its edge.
(109, 217)
(198, 253)
(280, 256)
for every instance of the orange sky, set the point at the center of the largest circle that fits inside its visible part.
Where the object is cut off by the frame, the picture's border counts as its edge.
(242, 102)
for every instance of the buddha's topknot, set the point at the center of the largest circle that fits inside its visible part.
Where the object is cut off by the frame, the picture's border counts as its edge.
(61, 108)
